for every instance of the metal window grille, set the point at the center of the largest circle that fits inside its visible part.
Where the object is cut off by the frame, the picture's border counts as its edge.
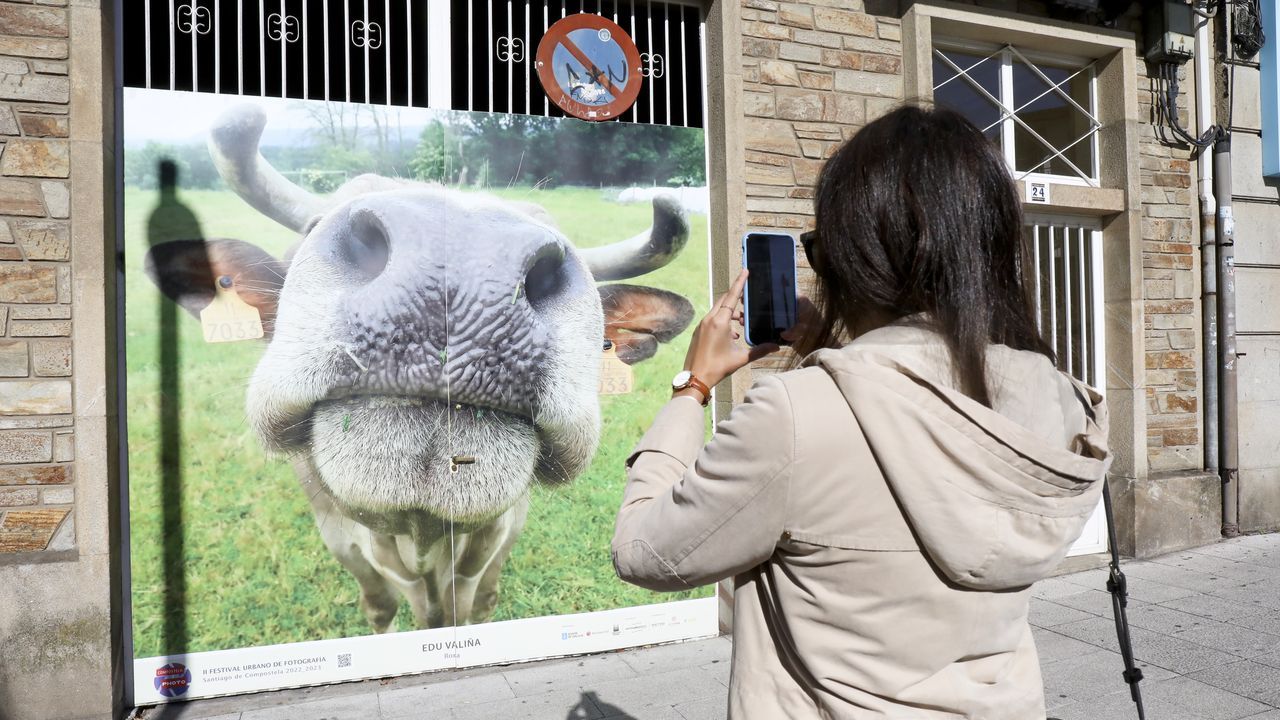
(459, 54)
(1066, 274)
(501, 38)
(1041, 110)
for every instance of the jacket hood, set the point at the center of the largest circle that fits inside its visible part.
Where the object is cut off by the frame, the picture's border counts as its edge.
(995, 495)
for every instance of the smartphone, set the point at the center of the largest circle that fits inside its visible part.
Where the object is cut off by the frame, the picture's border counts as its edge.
(769, 301)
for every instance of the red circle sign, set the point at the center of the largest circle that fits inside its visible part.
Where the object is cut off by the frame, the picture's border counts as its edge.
(589, 67)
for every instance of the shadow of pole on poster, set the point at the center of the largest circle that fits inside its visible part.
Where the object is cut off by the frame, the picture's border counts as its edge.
(172, 220)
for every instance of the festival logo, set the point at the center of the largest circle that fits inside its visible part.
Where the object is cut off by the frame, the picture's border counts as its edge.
(173, 680)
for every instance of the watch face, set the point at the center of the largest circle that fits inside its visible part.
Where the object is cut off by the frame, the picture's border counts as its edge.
(681, 379)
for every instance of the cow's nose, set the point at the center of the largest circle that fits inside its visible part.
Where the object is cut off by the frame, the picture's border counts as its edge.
(545, 275)
(366, 246)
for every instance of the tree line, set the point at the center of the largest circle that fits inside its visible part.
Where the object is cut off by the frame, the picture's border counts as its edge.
(456, 148)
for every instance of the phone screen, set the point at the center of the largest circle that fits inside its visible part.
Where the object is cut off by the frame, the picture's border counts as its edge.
(770, 302)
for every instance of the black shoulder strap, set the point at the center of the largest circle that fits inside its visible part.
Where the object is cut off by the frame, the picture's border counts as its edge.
(1117, 585)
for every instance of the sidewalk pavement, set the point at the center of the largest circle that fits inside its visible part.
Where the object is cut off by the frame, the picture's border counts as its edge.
(1205, 626)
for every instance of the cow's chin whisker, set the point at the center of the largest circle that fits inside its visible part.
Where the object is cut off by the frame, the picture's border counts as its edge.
(394, 453)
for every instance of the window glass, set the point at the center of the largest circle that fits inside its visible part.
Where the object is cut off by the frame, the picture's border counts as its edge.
(1058, 122)
(960, 95)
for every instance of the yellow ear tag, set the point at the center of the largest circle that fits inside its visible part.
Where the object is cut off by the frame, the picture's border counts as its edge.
(228, 318)
(615, 375)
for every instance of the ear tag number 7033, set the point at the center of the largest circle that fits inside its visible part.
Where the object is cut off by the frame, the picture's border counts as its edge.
(229, 318)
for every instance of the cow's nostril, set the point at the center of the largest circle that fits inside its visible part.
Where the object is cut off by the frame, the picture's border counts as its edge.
(367, 248)
(545, 278)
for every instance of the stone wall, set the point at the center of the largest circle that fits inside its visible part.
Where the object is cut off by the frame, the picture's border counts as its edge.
(59, 559)
(37, 482)
(814, 72)
(1171, 291)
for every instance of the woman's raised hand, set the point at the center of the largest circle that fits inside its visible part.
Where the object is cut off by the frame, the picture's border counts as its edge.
(714, 352)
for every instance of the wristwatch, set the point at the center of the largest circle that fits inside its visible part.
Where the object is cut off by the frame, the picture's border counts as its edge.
(685, 379)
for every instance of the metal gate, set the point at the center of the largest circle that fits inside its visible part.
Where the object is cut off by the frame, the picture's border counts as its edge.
(444, 54)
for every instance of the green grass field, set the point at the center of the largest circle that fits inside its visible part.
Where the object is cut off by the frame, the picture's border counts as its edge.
(255, 570)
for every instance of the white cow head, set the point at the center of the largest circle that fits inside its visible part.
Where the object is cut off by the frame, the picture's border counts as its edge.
(414, 323)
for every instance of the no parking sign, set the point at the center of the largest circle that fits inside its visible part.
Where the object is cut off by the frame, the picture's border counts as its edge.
(589, 67)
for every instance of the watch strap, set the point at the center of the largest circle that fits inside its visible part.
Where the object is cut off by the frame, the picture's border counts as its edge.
(700, 386)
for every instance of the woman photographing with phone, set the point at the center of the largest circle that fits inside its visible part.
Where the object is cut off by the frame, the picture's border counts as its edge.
(885, 506)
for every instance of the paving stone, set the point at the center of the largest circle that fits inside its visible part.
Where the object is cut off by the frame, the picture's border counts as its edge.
(1250, 679)
(1165, 651)
(1052, 646)
(1213, 607)
(450, 693)
(1118, 706)
(1200, 699)
(1054, 588)
(351, 707)
(670, 688)
(1046, 614)
(544, 706)
(1091, 675)
(579, 672)
(679, 655)
(1165, 620)
(1239, 641)
(708, 709)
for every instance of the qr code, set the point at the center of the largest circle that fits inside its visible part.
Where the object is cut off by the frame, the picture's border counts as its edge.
(344, 660)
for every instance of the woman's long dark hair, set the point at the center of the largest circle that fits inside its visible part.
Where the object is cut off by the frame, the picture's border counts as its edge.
(917, 213)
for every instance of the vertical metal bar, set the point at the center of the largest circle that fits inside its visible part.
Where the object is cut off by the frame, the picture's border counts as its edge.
(387, 34)
(1053, 292)
(635, 113)
(217, 46)
(441, 54)
(511, 70)
(648, 23)
(489, 52)
(326, 50)
(347, 30)
(1006, 99)
(306, 61)
(546, 101)
(408, 39)
(1099, 322)
(1035, 253)
(471, 38)
(262, 48)
(1067, 308)
(284, 57)
(666, 57)
(195, 25)
(240, 46)
(528, 87)
(172, 53)
(146, 15)
(366, 50)
(1083, 306)
(684, 72)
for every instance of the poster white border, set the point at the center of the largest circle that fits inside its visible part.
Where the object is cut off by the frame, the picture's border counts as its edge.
(321, 662)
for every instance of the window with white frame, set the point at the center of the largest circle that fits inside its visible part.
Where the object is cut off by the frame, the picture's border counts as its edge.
(1041, 110)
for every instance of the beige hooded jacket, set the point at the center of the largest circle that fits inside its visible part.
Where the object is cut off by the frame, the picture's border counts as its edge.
(883, 529)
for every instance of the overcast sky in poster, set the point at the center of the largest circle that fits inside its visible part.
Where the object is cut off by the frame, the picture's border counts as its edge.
(149, 117)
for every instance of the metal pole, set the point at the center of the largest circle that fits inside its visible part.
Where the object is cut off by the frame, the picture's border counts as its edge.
(1229, 456)
(1208, 246)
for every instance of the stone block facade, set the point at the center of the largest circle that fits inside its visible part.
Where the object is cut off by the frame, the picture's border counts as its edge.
(815, 72)
(37, 448)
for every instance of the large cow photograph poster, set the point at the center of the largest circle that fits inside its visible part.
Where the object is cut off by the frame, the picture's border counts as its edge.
(383, 369)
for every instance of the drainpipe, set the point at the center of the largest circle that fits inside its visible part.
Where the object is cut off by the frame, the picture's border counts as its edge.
(1229, 454)
(1208, 247)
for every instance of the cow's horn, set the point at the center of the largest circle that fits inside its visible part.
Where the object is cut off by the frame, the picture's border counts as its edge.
(645, 252)
(233, 143)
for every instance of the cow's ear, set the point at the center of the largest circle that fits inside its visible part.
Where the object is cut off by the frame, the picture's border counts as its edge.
(187, 272)
(637, 318)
